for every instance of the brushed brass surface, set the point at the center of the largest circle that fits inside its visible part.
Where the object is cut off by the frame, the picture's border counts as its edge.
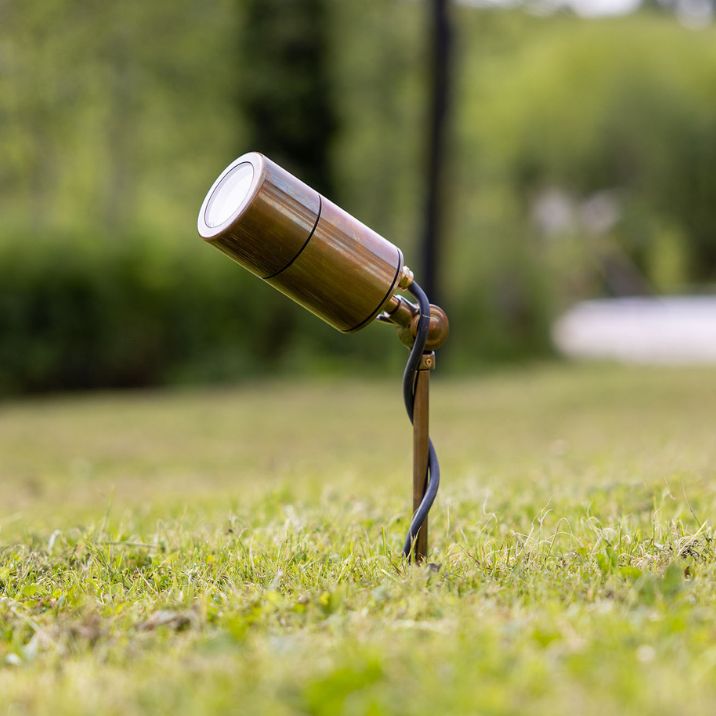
(439, 328)
(406, 278)
(400, 312)
(406, 315)
(306, 247)
(345, 274)
(274, 223)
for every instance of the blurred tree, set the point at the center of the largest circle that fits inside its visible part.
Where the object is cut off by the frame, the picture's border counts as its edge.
(284, 97)
(98, 109)
(589, 109)
(377, 69)
(439, 73)
(284, 90)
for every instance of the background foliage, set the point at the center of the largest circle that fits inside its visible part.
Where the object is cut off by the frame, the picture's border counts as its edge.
(581, 162)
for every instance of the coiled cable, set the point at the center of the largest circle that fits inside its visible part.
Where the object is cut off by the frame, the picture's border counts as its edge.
(410, 376)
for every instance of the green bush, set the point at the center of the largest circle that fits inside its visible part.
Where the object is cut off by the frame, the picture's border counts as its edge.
(624, 107)
(138, 311)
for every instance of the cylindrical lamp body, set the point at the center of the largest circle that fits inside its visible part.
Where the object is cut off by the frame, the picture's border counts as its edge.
(308, 248)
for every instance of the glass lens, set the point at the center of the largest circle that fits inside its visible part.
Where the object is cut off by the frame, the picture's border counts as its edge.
(229, 195)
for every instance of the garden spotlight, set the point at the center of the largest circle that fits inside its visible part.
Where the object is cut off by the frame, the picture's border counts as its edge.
(345, 273)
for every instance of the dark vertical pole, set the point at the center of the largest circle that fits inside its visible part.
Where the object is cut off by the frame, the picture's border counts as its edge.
(439, 94)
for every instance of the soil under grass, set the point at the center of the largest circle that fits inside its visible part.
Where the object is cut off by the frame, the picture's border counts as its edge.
(238, 551)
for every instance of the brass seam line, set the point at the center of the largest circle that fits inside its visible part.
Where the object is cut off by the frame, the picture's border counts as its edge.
(382, 300)
(305, 243)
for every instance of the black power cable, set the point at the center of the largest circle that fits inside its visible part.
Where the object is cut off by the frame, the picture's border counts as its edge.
(410, 376)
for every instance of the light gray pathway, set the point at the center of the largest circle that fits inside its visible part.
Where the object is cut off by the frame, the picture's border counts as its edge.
(674, 331)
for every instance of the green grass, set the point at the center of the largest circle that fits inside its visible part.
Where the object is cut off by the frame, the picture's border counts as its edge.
(237, 551)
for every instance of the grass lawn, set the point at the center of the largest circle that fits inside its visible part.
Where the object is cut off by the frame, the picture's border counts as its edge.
(238, 550)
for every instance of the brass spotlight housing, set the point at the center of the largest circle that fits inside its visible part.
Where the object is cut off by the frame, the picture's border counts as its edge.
(301, 243)
(345, 273)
